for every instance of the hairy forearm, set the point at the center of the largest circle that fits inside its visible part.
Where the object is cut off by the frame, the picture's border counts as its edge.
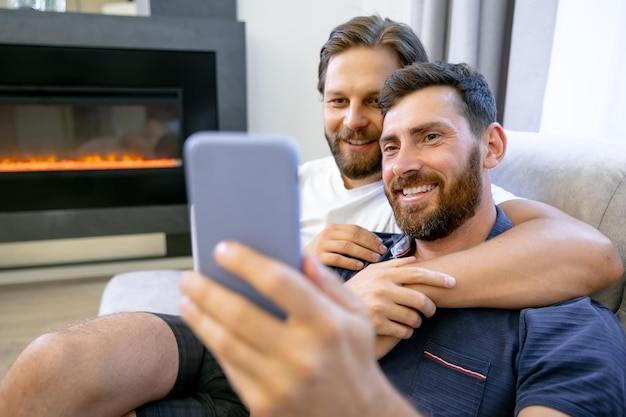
(538, 262)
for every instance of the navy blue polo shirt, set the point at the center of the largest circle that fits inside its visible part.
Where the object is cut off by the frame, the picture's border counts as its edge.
(569, 356)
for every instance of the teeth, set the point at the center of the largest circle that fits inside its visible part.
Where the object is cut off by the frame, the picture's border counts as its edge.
(417, 190)
(358, 142)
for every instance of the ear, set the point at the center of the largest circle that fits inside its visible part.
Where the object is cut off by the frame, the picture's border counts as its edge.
(494, 142)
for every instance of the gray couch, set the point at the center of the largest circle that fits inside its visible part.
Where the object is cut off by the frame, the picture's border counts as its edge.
(584, 178)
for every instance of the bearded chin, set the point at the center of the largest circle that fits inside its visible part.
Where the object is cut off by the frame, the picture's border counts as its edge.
(458, 203)
(355, 166)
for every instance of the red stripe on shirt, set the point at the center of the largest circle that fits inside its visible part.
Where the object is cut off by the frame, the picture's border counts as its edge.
(456, 367)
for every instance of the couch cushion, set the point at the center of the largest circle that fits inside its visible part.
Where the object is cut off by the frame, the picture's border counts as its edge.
(155, 291)
(584, 178)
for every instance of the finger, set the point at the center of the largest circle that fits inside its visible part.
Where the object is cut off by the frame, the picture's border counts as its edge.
(337, 250)
(285, 286)
(396, 330)
(414, 299)
(410, 274)
(231, 310)
(331, 284)
(403, 315)
(351, 249)
(387, 326)
(239, 361)
(336, 260)
(355, 234)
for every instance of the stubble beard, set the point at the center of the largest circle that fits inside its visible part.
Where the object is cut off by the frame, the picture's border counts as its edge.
(458, 202)
(355, 165)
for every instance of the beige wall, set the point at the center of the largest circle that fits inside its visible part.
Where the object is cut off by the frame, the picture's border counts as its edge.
(87, 6)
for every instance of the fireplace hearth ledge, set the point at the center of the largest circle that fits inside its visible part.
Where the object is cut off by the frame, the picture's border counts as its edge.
(91, 270)
(66, 224)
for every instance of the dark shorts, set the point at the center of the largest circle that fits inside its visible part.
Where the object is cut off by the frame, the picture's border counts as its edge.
(201, 388)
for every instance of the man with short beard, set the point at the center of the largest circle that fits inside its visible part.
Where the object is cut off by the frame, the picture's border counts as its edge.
(440, 138)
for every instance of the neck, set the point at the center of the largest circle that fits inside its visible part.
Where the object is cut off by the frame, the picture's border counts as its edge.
(472, 232)
(350, 183)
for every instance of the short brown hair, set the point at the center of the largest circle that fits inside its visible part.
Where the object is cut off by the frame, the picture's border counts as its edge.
(371, 31)
(477, 103)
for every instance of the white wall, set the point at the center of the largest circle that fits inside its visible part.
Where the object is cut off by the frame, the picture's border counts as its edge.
(283, 40)
(586, 89)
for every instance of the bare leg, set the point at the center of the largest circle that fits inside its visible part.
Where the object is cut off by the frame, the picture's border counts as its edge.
(103, 367)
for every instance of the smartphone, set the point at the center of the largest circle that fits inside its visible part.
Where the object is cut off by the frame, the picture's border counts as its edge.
(242, 187)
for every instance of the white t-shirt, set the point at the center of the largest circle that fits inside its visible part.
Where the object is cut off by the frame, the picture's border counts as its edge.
(324, 199)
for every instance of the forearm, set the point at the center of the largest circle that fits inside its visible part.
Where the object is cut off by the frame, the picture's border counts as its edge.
(538, 262)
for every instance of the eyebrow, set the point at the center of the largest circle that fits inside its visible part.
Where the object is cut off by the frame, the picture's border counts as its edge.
(412, 131)
(387, 138)
(340, 92)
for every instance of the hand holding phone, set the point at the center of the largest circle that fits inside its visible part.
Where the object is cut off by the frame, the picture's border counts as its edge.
(242, 187)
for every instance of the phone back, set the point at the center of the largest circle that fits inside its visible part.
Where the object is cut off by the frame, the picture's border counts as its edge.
(242, 187)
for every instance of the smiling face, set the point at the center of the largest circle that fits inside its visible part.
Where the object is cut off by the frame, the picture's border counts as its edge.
(352, 118)
(432, 164)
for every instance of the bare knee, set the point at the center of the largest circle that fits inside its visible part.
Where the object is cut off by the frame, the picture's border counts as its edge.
(61, 357)
(112, 363)
(35, 380)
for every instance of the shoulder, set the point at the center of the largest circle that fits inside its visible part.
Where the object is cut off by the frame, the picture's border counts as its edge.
(573, 317)
(571, 308)
(567, 351)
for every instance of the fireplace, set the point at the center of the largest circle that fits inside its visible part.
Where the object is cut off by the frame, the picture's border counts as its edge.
(99, 128)
(94, 111)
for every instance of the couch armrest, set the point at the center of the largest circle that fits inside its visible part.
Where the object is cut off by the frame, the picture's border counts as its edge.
(584, 178)
(154, 291)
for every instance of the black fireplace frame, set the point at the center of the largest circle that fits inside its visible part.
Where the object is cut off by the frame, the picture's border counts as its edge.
(184, 80)
(225, 37)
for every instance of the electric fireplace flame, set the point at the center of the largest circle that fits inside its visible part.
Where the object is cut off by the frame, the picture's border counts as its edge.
(86, 163)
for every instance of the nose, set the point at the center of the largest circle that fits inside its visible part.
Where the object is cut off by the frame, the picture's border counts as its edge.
(405, 161)
(355, 118)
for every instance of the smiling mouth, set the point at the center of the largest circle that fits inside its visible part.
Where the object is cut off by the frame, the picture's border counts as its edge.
(409, 191)
(358, 142)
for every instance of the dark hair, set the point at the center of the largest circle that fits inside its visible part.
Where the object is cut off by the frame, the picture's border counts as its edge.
(371, 31)
(478, 105)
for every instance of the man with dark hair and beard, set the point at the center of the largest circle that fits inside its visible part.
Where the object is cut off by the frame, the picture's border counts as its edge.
(440, 138)
(439, 141)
